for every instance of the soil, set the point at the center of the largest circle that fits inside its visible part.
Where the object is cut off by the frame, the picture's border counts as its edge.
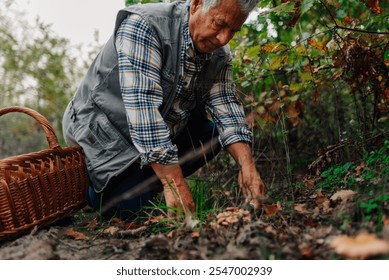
(305, 230)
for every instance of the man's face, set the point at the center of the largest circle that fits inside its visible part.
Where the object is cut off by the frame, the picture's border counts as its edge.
(215, 28)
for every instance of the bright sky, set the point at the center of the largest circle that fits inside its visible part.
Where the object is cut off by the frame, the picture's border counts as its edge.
(76, 20)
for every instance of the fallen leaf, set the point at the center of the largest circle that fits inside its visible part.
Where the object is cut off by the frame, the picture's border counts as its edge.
(195, 234)
(273, 209)
(75, 234)
(362, 246)
(300, 208)
(343, 195)
(170, 234)
(112, 230)
(323, 203)
(309, 183)
(92, 224)
(119, 222)
(154, 220)
(306, 251)
(360, 168)
(131, 226)
(271, 230)
(191, 222)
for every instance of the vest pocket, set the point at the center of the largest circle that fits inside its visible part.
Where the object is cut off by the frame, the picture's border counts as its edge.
(99, 140)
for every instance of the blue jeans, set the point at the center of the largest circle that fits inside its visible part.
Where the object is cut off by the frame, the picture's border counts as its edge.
(135, 187)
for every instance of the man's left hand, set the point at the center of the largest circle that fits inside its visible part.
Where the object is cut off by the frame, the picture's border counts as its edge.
(249, 179)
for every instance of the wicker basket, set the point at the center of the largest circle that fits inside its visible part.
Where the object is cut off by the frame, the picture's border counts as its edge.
(37, 189)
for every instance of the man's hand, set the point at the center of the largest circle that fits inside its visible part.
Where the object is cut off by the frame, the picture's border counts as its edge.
(175, 189)
(249, 179)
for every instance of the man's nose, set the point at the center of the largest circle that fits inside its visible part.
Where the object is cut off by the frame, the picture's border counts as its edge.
(224, 36)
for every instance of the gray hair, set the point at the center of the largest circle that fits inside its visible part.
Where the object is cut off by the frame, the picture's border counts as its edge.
(246, 6)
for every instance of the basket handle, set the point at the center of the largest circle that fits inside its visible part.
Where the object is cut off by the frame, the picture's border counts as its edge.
(44, 123)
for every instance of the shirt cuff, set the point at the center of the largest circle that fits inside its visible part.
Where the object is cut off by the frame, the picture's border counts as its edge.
(163, 155)
(234, 135)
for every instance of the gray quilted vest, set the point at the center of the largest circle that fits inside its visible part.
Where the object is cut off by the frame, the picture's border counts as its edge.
(96, 114)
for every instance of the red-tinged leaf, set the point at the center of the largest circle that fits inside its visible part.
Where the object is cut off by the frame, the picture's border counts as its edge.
(323, 203)
(309, 183)
(348, 20)
(294, 111)
(75, 234)
(275, 106)
(119, 222)
(296, 15)
(272, 209)
(310, 222)
(374, 6)
(386, 94)
(306, 252)
(359, 168)
(337, 74)
(362, 246)
(269, 119)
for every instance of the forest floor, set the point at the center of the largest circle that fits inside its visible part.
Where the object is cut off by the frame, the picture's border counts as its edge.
(317, 227)
(341, 212)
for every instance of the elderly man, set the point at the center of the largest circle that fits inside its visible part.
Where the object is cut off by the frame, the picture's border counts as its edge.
(142, 105)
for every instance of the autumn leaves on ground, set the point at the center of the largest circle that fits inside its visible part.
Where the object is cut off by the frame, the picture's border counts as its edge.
(342, 213)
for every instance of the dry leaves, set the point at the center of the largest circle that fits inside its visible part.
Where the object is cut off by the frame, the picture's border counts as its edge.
(111, 231)
(75, 234)
(374, 6)
(343, 195)
(272, 209)
(300, 208)
(362, 246)
(323, 203)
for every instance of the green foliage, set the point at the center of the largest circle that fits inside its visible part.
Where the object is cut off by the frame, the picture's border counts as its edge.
(370, 179)
(314, 71)
(133, 2)
(39, 70)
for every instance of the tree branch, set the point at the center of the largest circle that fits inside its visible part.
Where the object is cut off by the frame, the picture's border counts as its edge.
(350, 29)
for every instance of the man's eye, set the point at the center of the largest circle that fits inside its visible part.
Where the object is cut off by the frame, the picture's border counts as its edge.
(218, 24)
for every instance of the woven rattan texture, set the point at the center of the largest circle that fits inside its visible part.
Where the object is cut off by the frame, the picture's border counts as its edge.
(39, 188)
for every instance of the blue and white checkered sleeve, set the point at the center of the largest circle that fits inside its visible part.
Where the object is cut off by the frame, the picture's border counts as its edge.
(139, 73)
(227, 111)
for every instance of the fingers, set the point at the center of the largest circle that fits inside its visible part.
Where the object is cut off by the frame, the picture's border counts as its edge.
(179, 200)
(253, 188)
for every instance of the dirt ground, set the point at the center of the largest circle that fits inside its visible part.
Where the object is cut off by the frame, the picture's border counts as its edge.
(319, 227)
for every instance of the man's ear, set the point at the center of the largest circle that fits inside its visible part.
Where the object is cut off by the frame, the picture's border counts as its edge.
(196, 4)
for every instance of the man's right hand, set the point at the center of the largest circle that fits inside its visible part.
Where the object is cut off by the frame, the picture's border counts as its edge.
(175, 189)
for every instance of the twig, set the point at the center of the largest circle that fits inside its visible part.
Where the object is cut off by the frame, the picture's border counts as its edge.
(132, 232)
(350, 29)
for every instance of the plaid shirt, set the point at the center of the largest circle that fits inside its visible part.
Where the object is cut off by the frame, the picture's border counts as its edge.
(139, 72)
